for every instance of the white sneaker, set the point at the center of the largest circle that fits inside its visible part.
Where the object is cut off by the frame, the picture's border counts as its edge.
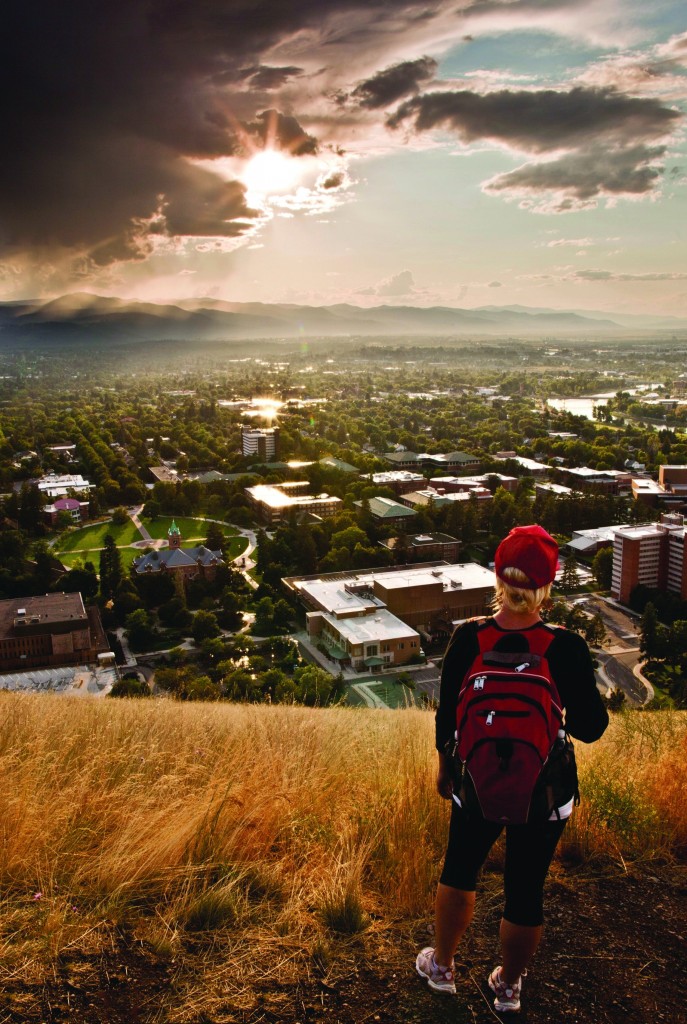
(440, 979)
(507, 996)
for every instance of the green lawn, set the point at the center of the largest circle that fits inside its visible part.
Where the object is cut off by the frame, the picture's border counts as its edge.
(70, 558)
(191, 529)
(85, 543)
(236, 547)
(89, 537)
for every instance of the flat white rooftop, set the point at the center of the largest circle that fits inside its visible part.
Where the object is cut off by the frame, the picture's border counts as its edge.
(332, 595)
(554, 488)
(381, 625)
(525, 463)
(650, 530)
(276, 498)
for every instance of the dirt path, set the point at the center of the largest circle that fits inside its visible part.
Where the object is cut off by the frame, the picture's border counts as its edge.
(613, 953)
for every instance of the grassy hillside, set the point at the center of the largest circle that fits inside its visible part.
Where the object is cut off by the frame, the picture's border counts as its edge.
(225, 835)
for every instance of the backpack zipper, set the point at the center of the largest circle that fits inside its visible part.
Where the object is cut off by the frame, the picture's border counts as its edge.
(509, 696)
(490, 715)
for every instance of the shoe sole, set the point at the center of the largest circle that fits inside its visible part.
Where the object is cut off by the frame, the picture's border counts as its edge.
(445, 991)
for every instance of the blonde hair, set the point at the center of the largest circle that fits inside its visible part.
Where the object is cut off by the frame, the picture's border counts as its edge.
(518, 598)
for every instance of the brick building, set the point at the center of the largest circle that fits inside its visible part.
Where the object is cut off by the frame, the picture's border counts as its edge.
(271, 503)
(40, 632)
(425, 547)
(183, 564)
(653, 555)
(427, 600)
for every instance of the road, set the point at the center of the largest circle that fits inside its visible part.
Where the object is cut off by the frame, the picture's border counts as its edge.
(618, 662)
(618, 668)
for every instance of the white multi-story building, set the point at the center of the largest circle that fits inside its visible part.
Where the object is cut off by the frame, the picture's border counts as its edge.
(261, 441)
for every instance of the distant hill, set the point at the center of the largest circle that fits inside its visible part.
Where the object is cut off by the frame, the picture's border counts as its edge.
(92, 318)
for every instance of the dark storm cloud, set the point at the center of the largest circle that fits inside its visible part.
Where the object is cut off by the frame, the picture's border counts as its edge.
(272, 78)
(104, 104)
(391, 84)
(284, 132)
(585, 175)
(333, 181)
(539, 121)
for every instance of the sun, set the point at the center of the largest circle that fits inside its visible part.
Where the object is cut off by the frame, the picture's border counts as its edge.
(271, 172)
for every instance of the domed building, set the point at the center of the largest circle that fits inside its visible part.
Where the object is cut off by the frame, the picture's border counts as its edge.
(184, 564)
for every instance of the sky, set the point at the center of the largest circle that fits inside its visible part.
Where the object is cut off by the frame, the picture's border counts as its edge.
(440, 152)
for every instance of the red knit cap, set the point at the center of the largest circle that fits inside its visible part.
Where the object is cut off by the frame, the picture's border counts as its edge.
(532, 550)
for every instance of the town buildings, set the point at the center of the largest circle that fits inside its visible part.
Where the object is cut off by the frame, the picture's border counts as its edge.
(400, 481)
(386, 614)
(54, 485)
(75, 509)
(384, 510)
(606, 481)
(260, 441)
(457, 484)
(56, 629)
(271, 503)
(183, 564)
(424, 547)
(424, 462)
(652, 555)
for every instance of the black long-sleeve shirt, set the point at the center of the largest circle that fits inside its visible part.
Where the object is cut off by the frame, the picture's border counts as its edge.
(571, 667)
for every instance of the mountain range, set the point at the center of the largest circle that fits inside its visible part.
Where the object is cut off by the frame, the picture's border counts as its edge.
(83, 316)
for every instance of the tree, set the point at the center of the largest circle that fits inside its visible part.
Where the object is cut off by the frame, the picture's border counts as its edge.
(120, 516)
(570, 578)
(264, 617)
(110, 568)
(79, 581)
(215, 539)
(139, 629)
(602, 567)
(130, 686)
(313, 686)
(204, 626)
(648, 632)
(615, 700)
(174, 613)
(595, 633)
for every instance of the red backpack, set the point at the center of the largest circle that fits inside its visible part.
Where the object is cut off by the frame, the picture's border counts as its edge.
(508, 719)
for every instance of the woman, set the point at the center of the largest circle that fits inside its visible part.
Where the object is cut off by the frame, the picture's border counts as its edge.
(525, 566)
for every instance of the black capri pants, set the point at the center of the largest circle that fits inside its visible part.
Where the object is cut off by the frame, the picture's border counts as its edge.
(529, 850)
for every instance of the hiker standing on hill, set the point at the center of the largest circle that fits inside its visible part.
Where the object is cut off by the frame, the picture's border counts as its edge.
(512, 688)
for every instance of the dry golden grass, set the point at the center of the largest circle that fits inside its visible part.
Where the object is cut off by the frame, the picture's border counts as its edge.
(279, 825)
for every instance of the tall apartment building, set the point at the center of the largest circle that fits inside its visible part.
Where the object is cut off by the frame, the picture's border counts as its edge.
(653, 555)
(260, 441)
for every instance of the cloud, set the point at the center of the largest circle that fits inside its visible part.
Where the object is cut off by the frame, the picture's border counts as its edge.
(112, 114)
(106, 108)
(269, 78)
(578, 179)
(577, 243)
(333, 181)
(281, 131)
(539, 121)
(399, 284)
(602, 135)
(391, 84)
(607, 275)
